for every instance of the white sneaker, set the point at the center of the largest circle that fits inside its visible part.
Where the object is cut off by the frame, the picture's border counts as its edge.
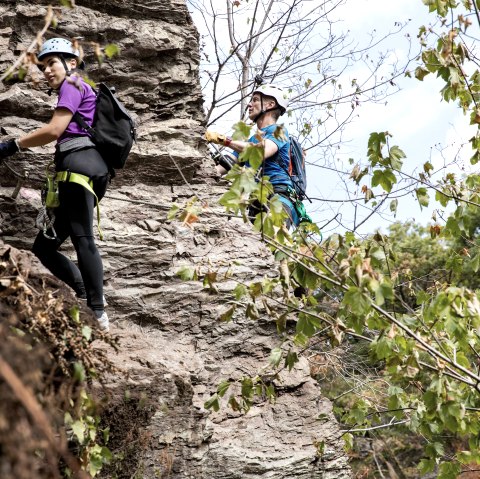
(102, 319)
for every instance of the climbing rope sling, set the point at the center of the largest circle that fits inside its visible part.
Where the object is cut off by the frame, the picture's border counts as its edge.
(289, 193)
(51, 200)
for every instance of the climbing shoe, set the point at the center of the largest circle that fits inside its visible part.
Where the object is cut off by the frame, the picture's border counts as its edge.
(102, 319)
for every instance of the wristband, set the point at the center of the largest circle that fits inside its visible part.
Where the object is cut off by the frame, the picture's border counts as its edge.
(227, 141)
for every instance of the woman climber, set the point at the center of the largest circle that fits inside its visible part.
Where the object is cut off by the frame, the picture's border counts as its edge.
(80, 172)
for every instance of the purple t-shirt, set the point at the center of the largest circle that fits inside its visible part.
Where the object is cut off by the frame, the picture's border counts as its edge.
(75, 98)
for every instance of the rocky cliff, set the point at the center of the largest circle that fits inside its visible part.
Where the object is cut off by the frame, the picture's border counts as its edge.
(174, 351)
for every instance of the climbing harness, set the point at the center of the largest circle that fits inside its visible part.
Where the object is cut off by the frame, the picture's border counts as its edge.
(302, 212)
(51, 200)
(44, 222)
(50, 191)
(289, 193)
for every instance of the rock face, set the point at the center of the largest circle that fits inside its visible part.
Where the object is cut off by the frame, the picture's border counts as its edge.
(173, 350)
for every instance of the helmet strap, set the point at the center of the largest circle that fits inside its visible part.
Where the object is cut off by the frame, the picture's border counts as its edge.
(62, 59)
(262, 111)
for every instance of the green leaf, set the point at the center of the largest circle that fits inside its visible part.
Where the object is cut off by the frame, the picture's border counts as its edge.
(454, 77)
(427, 465)
(422, 196)
(431, 60)
(111, 50)
(74, 313)
(99, 455)
(396, 156)
(79, 372)
(270, 392)
(475, 158)
(348, 438)
(187, 273)
(307, 325)
(376, 142)
(291, 359)
(212, 403)
(357, 301)
(172, 213)
(305, 277)
(383, 348)
(254, 155)
(251, 311)
(421, 73)
(282, 323)
(232, 200)
(222, 388)
(241, 131)
(435, 449)
(87, 332)
(233, 403)
(449, 470)
(240, 291)
(247, 388)
(378, 255)
(427, 167)
(275, 357)
(384, 291)
(320, 446)
(227, 315)
(475, 263)
(78, 428)
(442, 199)
(394, 205)
(384, 178)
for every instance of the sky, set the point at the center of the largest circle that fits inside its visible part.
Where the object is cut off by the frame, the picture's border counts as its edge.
(421, 124)
(425, 127)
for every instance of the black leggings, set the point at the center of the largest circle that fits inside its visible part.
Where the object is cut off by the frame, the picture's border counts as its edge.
(74, 218)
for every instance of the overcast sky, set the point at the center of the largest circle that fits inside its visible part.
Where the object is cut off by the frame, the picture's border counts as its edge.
(424, 126)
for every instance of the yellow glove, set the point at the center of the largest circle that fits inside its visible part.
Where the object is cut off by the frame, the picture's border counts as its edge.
(214, 137)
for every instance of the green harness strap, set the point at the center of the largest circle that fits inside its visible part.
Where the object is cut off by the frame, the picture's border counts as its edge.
(87, 183)
(299, 206)
(302, 212)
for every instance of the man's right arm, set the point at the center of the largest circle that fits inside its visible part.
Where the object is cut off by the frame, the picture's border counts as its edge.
(270, 147)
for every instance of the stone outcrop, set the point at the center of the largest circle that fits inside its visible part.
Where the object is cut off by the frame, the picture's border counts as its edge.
(173, 350)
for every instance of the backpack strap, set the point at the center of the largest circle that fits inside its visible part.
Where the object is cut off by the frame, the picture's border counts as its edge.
(78, 119)
(87, 183)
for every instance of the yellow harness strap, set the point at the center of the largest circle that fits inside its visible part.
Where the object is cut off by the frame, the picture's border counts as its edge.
(87, 183)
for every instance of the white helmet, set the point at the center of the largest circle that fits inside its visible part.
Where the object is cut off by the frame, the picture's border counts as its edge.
(280, 94)
(59, 46)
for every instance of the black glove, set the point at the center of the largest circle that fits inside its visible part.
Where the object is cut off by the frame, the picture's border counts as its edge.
(7, 148)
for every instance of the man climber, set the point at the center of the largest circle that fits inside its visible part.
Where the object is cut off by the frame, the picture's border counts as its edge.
(267, 104)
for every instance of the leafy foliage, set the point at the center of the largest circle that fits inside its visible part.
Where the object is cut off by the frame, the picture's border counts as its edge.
(411, 296)
(403, 293)
(38, 387)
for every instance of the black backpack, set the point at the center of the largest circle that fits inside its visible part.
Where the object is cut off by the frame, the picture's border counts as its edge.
(113, 129)
(296, 168)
